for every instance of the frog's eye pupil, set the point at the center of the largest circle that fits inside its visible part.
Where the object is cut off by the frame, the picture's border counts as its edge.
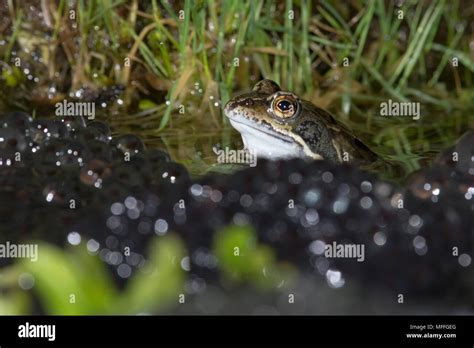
(284, 105)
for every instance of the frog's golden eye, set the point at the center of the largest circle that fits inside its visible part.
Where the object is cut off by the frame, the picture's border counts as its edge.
(285, 106)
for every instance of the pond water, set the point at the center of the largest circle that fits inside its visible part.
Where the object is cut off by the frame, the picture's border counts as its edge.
(191, 143)
(191, 140)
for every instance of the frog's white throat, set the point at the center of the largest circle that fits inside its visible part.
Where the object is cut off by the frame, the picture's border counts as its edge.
(267, 143)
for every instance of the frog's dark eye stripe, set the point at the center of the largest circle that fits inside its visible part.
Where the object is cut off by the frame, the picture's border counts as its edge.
(285, 106)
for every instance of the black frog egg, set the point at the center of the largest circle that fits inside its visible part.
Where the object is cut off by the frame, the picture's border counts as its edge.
(73, 154)
(15, 178)
(172, 173)
(100, 150)
(103, 129)
(128, 144)
(61, 193)
(94, 131)
(42, 130)
(141, 163)
(65, 154)
(94, 173)
(156, 158)
(73, 123)
(112, 190)
(127, 175)
(12, 144)
(19, 120)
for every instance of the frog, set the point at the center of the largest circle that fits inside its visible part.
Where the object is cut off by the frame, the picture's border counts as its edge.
(278, 125)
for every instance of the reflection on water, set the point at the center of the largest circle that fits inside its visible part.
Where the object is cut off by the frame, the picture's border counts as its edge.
(192, 148)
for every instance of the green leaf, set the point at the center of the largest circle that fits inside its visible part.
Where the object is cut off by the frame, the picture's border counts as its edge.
(14, 303)
(12, 76)
(60, 274)
(161, 280)
(146, 104)
(242, 259)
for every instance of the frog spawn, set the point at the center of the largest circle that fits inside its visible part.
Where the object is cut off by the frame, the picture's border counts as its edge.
(408, 249)
(64, 170)
(296, 207)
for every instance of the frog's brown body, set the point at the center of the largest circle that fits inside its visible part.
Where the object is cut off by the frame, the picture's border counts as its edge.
(278, 124)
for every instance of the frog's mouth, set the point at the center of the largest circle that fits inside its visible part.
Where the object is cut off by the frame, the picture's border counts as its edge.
(244, 125)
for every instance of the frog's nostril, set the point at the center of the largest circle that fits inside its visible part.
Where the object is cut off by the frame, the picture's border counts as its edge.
(248, 102)
(228, 105)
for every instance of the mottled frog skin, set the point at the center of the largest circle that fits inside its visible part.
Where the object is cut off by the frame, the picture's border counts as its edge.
(279, 125)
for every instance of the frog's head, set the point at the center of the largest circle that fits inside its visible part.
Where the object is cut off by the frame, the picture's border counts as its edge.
(278, 125)
(266, 118)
